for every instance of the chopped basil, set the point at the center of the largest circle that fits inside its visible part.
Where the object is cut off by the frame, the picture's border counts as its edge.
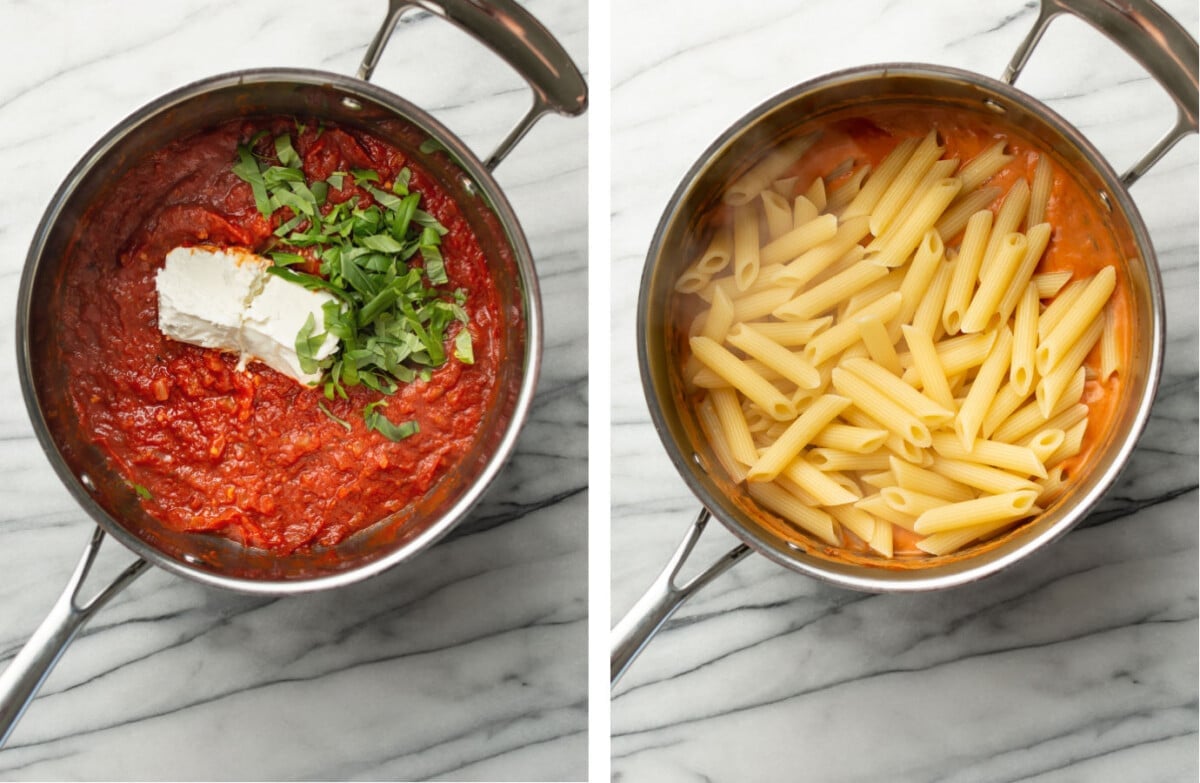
(391, 316)
(329, 414)
(375, 420)
(142, 492)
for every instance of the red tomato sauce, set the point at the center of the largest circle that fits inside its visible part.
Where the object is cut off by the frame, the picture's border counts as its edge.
(248, 454)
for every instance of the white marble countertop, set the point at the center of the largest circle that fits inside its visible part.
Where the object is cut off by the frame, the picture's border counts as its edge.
(469, 662)
(1079, 664)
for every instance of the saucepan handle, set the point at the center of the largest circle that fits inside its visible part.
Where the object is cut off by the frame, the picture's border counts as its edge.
(25, 675)
(1150, 36)
(659, 602)
(519, 39)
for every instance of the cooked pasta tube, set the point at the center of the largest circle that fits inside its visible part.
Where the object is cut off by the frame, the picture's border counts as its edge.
(881, 408)
(904, 240)
(769, 169)
(847, 437)
(836, 289)
(929, 367)
(870, 193)
(742, 378)
(1057, 345)
(905, 183)
(789, 365)
(796, 242)
(921, 406)
(1021, 373)
(819, 484)
(983, 390)
(968, 513)
(794, 510)
(746, 256)
(803, 211)
(918, 479)
(966, 270)
(733, 425)
(955, 218)
(984, 312)
(983, 477)
(980, 168)
(878, 343)
(798, 435)
(814, 260)
(778, 212)
(711, 426)
(842, 335)
(1006, 456)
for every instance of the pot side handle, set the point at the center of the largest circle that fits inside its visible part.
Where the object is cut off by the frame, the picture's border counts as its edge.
(24, 676)
(631, 634)
(518, 39)
(1155, 40)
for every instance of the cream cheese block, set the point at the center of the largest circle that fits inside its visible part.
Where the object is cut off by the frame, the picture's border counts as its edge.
(224, 299)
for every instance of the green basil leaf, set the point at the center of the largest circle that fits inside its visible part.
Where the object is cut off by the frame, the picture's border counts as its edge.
(287, 155)
(336, 179)
(307, 344)
(430, 146)
(403, 178)
(382, 243)
(388, 200)
(375, 420)
(463, 348)
(345, 424)
(435, 266)
(287, 259)
(247, 170)
(364, 175)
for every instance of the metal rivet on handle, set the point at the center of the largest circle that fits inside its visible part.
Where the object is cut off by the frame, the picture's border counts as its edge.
(1105, 200)
(351, 104)
(995, 106)
(87, 482)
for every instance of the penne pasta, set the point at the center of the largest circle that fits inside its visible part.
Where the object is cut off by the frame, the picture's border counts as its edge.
(1050, 283)
(881, 408)
(1003, 507)
(927, 482)
(789, 365)
(1053, 349)
(719, 252)
(870, 193)
(711, 427)
(1110, 350)
(904, 240)
(983, 390)
(905, 183)
(733, 425)
(821, 298)
(816, 259)
(983, 314)
(774, 498)
(1039, 196)
(955, 218)
(981, 168)
(778, 212)
(925, 263)
(794, 243)
(841, 196)
(1021, 374)
(847, 437)
(966, 271)
(770, 168)
(878, 343)
(742, 378)
(798, 435)
(816, 194)
(746, 257)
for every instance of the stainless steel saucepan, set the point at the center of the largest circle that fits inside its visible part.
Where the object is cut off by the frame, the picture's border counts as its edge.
(557, 86)
(1142, 29)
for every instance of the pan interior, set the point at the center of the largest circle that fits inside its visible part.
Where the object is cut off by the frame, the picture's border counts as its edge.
(683, 233)
(349, 103)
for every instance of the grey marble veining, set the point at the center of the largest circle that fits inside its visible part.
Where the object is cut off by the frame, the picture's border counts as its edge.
(1079, 664)
(469, 662)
